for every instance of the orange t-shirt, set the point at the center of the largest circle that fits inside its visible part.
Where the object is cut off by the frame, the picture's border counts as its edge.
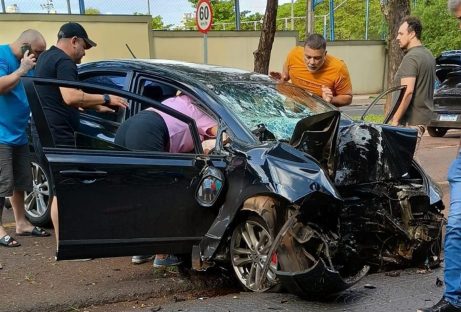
(333, 74)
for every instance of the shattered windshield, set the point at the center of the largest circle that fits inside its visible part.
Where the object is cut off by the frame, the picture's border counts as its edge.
(276, 106)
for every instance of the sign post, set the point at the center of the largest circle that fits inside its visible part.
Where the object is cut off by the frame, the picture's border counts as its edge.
(203, 19)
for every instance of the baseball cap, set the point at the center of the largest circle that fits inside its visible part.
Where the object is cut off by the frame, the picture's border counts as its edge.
(71, 29)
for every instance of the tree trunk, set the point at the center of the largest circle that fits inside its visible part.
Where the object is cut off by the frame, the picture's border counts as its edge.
(263, 54)
(309, 19)
(394, 11)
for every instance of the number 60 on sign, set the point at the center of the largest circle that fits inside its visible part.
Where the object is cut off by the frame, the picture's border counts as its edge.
(204, 16)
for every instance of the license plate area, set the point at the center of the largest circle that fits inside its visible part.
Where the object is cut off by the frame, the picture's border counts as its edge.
(448, 117)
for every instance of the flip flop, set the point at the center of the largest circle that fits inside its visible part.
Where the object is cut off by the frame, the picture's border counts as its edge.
(36, 231)
(9, 241)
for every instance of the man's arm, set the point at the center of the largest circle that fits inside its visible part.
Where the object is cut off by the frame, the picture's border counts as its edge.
(342, 94)
(410, 83)
(78, 98)
(338, 100)
(341, 100)
(8, 82)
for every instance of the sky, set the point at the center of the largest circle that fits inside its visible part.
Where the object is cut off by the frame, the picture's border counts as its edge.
(172, 11)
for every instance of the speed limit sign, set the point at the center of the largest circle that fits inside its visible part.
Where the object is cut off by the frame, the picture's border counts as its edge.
(204, 16)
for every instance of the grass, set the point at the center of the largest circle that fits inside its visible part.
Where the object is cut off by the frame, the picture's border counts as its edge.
(375, 118)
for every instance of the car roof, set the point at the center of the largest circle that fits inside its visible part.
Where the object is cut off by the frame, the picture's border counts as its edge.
(190, 73)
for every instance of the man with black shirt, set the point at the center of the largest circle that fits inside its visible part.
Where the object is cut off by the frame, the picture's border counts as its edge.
(60, 104)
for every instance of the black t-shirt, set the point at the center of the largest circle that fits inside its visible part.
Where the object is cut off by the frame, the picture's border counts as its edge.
(62, 118)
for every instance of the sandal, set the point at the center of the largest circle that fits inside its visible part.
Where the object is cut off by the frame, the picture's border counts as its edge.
(9, 241)
(36, 231)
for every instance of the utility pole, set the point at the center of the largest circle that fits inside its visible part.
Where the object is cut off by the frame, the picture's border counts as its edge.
(69, 11)
(3, 6)
(237, 15)
(292, 16)
(367, 16)
(309, 18)
(148, 7)
(81, 5)
(332, 20)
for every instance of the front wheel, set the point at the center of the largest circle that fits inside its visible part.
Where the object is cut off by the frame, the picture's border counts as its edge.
(250, 244)
(437, 132)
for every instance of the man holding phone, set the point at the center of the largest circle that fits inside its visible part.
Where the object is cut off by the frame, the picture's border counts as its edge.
(16, 60)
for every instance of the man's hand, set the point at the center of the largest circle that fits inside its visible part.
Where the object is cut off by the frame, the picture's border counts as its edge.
(27, 63)
(394, 122)
(275, 75)
(327, 94)
(117, 101)
(278, 76)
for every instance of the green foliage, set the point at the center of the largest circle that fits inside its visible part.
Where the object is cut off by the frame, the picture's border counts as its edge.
(92, 11)
(224, 17)
(350, 20)
(374, 118)
(440, 29)
(157, 23)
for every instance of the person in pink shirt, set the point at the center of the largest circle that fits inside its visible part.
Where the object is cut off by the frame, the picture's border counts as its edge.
(152, 123)
(180, 136)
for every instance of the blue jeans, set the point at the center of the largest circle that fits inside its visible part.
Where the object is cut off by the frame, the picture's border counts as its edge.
(453, 237)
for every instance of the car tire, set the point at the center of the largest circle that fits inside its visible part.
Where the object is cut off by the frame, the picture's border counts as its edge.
(38, 202)
(437, 132)
(250, 242)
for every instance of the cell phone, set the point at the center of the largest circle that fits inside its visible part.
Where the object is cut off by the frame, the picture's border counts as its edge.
(26, 47)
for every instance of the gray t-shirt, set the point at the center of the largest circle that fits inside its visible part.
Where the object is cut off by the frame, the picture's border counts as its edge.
(418, 62)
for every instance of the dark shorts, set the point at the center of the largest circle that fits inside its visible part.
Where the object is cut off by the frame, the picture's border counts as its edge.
(15, 172)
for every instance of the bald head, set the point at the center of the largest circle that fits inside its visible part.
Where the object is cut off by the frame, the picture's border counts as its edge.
(31, 39)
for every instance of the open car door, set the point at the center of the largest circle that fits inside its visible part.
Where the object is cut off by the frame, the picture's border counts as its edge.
(393, 96)
(117, 202)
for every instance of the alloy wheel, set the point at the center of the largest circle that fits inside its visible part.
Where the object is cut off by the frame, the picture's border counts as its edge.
(250, 244)
(37, 201)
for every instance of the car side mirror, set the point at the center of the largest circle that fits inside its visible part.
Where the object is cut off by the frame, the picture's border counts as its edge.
(210, 186)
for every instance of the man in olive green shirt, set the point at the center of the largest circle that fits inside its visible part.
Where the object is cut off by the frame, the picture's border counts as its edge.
(417, 72)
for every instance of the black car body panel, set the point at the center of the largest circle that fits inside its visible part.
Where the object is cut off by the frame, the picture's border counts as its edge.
(319, 192)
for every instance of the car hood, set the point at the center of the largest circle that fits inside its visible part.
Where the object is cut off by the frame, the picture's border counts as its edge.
(357, 152)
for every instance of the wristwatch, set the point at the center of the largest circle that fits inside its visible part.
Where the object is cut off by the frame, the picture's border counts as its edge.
(106, 98)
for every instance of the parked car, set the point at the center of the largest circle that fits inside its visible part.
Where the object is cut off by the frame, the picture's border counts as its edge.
(447, 96)
(304, 197)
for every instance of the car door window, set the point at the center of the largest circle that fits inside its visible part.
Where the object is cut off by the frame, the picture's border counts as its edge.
(113, 80)
(185, 103)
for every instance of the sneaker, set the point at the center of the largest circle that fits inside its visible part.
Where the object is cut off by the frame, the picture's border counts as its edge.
(441, 306)
(169, 260)
(141, 259)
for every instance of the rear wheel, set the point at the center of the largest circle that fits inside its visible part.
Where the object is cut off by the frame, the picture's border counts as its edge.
(437, 132)
(250, 244)
(38, 202)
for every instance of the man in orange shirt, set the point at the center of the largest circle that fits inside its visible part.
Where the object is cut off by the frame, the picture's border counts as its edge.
(310, 67)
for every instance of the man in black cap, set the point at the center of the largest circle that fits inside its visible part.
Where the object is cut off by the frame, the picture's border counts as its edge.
(60, 104)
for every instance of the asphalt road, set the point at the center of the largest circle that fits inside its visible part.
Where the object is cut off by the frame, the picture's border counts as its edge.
(30, 279)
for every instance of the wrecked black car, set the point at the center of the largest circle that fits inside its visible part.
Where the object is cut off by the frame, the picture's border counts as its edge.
(304, 197)
(447, 96)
